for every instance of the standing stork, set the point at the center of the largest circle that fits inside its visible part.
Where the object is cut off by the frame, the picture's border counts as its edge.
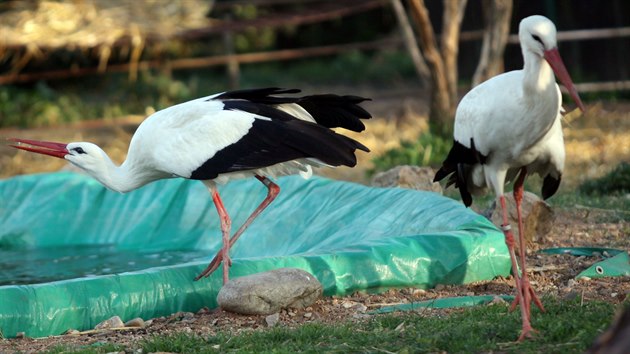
(225, 136)
(508, 127)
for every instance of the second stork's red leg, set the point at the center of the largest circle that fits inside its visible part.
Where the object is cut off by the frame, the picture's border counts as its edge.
(272, 192)
(528, 291)
(509, 240)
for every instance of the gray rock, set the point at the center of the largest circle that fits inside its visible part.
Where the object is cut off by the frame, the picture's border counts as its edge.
(114, 322)
(269, 292)
(411, 177)
(135, 322)
(537, 215)
(273, 319)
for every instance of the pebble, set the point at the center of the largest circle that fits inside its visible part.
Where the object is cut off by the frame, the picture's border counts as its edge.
(310, 314)
(497, 300)
(20, 335)
(114, 322)
(348, 304)
(272, 319)
(418, 292)
(136, 322)
(71, 332)
(203, 310)
(571, 295)
(439, 287)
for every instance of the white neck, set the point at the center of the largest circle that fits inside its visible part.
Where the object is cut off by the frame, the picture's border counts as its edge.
(538, 76)
(123, 178)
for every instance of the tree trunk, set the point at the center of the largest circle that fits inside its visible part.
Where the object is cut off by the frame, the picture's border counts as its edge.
(440, 110)
(451, 24)
(411, 43)
(497, 15)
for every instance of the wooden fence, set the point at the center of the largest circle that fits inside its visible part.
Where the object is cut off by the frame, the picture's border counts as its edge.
(234, 60)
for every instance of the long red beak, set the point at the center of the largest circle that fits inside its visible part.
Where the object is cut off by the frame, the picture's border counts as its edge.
(41, 147)
(555, 61)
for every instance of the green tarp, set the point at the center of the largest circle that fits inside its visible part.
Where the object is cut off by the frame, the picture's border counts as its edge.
(349, 236)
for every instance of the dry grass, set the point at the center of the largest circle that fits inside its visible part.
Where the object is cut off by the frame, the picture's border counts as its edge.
(595, 142)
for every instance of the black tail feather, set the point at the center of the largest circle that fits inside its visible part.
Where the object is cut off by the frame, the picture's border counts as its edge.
(457, 164)
(336, 111)
(550, 186)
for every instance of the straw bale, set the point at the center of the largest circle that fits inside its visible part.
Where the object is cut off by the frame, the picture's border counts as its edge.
(43, 26)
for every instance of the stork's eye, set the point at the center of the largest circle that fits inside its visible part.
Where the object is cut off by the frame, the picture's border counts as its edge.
(79, 150)
(537, 39)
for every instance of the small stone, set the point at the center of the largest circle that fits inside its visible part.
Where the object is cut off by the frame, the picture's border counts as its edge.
(571, 283)
(348, 304)
(411, 177)
(269, 292)
(496, 300)
(585, 278)
(135, 322)
(147, 323)
(20, 335)
(308, 315)
(571, 295)
(273, 319)
(71, 332)
(418, 292)
(203, 310)
(114, 322)
(439, 287)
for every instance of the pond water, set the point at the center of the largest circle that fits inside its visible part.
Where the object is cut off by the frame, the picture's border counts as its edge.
(42, 265)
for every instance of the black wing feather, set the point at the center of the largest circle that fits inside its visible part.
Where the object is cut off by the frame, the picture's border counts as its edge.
(329, 110)
(269, 142)
(336, 111)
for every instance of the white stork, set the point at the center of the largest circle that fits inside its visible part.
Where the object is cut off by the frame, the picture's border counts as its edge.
(508, 127)
(225, 136)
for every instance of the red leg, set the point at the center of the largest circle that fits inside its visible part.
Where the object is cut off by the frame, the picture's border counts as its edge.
(509, 240)
(272, 193)
(226, 224)
(527, 291)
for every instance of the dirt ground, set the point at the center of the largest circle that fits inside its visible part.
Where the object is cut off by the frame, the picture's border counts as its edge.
(595, 144)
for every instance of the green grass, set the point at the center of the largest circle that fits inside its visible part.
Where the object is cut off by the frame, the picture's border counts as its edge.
(567, 327)
(428, 150)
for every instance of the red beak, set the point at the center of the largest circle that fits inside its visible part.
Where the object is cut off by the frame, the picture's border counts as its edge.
(555, 61)
(41, 147)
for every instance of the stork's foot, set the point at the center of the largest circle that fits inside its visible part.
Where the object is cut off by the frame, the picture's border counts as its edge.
(528, 294)
(527, 332)
(213, 266)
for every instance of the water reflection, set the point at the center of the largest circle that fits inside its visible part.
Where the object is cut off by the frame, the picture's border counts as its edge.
(42, 265)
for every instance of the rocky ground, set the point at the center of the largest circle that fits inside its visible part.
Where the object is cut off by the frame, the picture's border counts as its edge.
(595, 144)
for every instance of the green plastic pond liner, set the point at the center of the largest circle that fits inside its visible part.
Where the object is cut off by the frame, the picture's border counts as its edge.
(349, 236)
(444, 303)
(582, 251)
(617, 263)
(617, 266)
